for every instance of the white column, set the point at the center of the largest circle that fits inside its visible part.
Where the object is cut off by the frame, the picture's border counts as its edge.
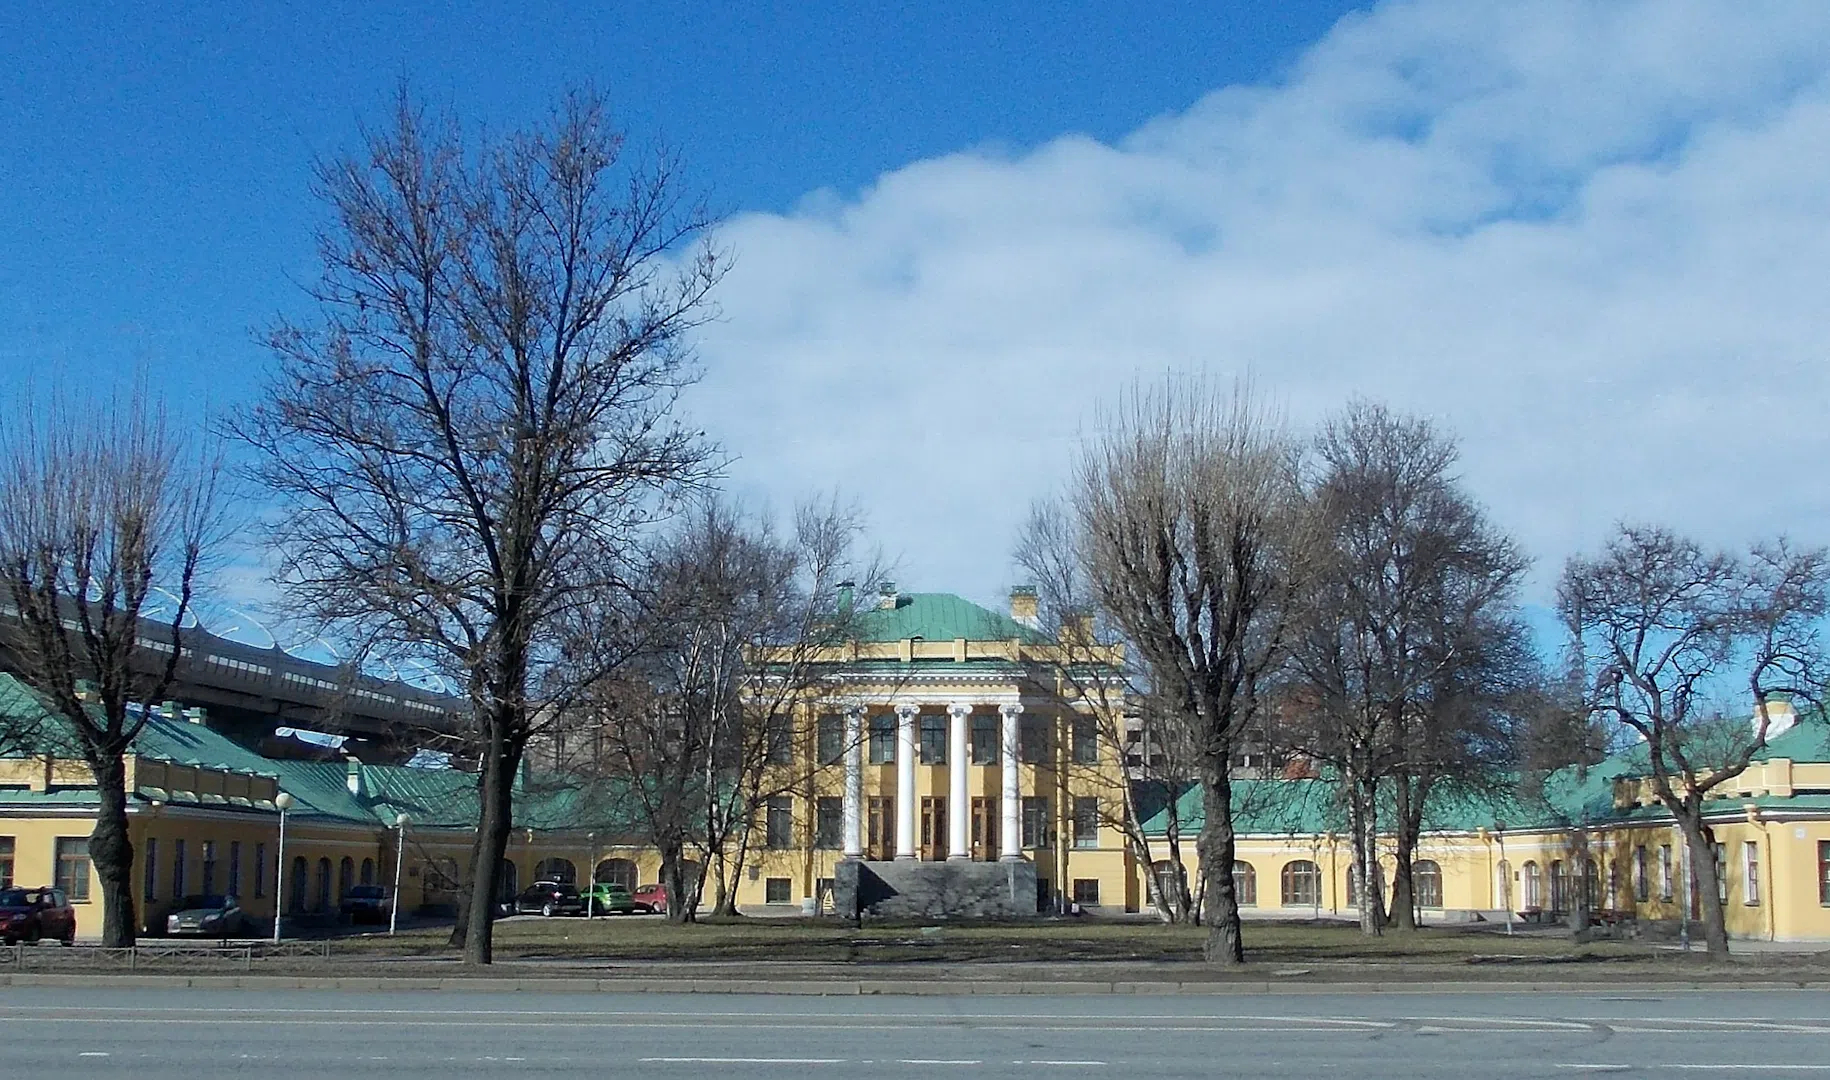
(853, 815)
(1010, 801)
(905, 781)
(959, 806)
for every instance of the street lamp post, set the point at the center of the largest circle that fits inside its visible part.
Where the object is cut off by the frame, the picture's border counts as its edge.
(283, 803)
(591, 879)
(400, 857)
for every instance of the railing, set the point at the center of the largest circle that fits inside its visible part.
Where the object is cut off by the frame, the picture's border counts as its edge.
(132, 958)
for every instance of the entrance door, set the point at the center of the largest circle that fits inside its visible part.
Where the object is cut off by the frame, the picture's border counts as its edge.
(933, 828)
(985, 828)
(881, 828)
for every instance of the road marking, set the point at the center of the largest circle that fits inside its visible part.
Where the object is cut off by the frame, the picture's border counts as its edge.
(740, 1061)
(1068, 1063)
(1690, 1067)
(937, 1061)
(93, 1053)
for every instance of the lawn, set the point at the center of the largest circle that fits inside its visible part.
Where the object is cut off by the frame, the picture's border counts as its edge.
(823, 940)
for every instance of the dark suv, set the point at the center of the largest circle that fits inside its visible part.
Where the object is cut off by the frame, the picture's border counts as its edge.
(36, 915)
(550, 898)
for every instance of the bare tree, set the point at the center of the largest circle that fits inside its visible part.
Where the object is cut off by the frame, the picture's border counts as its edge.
(1659, 626)
(1410, 644)
(1192, 528)
(471, 434)
(745, 629)
(1090, 672)
(103, 503)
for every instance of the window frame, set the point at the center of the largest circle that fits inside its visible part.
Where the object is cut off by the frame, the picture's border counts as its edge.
(786, 886)
(1245, 889)
(1035, 830)
(1086, 822)
(71, 869)
(1750, 873)
(1084, 896)
(1295, 876)
(931, 738)
(882, 739)
(829, 739)
(149, 871)
(1084, 738)
(983, 739)
(828, 823)
(1426, 882)
(9, 847)
(1642, 878)
(778, 823)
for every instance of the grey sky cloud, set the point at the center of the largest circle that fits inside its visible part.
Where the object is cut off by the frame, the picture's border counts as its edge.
(1592, 238)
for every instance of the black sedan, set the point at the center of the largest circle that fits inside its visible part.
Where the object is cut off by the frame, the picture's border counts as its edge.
(550, 898)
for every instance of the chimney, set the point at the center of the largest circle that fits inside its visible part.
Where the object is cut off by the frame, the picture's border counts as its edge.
(886, 595)
(1781, 716)
(352, 777)
(845, 598)
(1076, 628)
(1025, 607)
(195, 716)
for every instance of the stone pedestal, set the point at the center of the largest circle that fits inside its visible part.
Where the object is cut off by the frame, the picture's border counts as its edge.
(934, 890)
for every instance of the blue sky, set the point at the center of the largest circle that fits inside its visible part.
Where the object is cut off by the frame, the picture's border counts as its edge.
(1590, 236)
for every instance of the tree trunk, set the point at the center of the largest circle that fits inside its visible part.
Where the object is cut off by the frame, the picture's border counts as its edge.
(475, 930)
(1217, 854)
(1705, 878)
(1363, 822)
(1404, 889)
(111, 852)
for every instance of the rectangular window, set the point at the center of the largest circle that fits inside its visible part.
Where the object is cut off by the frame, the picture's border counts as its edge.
(1035, 822)
(260, 870)
(776, 890)
(831, 739)
(883, 739)
(828, 822)
(1086, 821)
(177, 870)
(780, 831)
(984, 739)
(779, 733)
(73, 867)
(6, 861)
(1642, 885)
(933, 739)
(1664, 873)
(209, 868)
(1086, 740)
(1722, 873)
(235, 868)
(1823, 872)
(1032, 740)
(149, 889)
(1750, 873)
(1086, 891)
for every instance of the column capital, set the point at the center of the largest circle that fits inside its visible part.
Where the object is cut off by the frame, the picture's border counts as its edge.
(1011, 709)
(959, 708)
(907, 710)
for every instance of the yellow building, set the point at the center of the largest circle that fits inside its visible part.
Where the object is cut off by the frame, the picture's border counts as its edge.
(1596, 833)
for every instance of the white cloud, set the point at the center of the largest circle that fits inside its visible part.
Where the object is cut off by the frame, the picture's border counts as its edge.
(1593, 238)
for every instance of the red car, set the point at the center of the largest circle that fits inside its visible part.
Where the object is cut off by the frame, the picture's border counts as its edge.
(651, 898)
(32, 915)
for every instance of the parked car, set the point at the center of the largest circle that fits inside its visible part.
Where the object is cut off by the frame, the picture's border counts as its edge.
(608, 898)
(651, 898)
(364, 903)
(36, 915)
(208, 916)
(550, 898)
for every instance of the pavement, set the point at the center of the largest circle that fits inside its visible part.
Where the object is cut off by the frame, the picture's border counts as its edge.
(200, 1034)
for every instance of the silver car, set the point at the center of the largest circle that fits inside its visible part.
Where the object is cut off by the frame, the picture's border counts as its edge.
(208, 916)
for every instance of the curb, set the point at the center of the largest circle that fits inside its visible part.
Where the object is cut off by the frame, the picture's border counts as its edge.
(854, 987)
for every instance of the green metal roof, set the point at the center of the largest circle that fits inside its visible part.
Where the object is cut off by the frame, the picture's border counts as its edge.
(432, 798)
(939, 617)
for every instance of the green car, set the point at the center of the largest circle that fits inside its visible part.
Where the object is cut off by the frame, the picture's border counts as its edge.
(605, 898)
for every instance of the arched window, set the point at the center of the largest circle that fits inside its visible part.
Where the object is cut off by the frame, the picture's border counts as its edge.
(1533, 891)
(346, 876)
(300, 885)
(1426, 882)
(441, 876)
(1591, 884)
(507, 884)
(1302, 884)
(1559, 885)
(1171, 878)
(616, 872)
(1245, 884)
(368, 872)
(323, 902)
(556, 869)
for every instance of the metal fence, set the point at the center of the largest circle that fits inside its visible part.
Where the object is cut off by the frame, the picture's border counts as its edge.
(243, 955)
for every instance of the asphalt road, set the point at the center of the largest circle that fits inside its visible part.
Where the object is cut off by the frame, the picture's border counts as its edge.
(199, 1034)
